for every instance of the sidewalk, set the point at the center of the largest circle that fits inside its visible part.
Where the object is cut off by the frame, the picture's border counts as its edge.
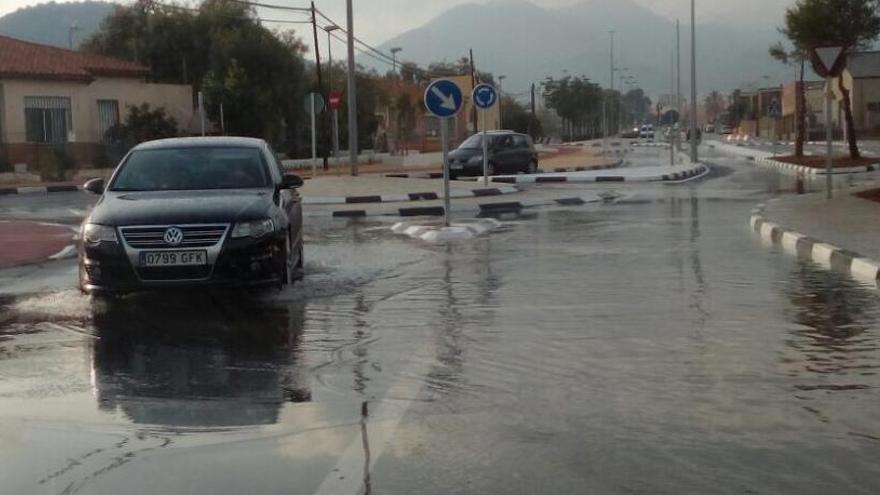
(25, 243)
(839, 233)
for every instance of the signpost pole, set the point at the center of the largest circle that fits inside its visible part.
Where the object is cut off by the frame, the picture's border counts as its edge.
(314, 136)
(444, 138)
(336, 135)
(485, 151)
(829, 164)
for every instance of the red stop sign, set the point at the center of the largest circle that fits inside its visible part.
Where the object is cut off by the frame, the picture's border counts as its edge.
(335, 100)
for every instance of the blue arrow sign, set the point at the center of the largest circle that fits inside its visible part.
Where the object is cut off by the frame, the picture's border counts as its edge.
(443, 98)
(485, 96)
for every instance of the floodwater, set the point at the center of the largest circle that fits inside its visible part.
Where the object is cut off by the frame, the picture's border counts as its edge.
(652, 346)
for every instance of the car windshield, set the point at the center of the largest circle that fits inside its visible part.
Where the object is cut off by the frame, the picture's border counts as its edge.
(194, 168)
(475, 142)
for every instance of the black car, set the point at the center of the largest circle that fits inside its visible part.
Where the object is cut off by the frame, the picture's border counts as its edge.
(509, 153)
(193, 211)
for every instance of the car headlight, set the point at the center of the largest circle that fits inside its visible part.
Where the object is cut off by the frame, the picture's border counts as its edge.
(94, 233)
(475, 160)
(255, 229)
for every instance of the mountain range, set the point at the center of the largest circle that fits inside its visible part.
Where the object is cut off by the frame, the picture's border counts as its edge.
(528, 43)
(50, 23)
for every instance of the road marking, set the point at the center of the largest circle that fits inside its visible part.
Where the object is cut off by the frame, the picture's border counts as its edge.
(69, 251)
(351, 474)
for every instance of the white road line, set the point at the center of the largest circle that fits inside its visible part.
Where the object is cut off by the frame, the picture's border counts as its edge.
(349, 475)
(69, 251)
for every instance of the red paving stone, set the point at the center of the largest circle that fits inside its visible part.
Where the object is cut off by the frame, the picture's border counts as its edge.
(23, 243)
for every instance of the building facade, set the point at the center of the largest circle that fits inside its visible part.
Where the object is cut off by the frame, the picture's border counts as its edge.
(55, 99)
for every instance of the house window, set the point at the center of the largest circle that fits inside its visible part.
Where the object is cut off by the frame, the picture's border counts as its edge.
(47, 119)
(108, 116)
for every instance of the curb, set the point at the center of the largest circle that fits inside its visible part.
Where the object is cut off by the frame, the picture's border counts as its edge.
(537, 179)
(38, 189)
(767, 160)
(824, 254)
(488, 208)
(401, 198)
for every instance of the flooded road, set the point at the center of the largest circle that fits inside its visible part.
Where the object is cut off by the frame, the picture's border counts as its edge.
(651, 346)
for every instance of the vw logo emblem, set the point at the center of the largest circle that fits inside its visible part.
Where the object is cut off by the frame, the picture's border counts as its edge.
(173, 236)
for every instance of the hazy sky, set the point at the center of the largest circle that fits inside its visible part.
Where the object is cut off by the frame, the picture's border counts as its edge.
(379, 20)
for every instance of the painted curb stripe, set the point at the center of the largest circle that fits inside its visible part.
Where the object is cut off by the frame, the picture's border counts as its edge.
(424, 196)
(487, 192)
(349, 214)
(363, 199)
(610, 179)
(827, 255)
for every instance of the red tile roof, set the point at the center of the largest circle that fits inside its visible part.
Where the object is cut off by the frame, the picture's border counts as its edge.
(25, 60)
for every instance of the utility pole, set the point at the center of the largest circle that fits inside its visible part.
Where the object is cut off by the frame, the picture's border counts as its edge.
(694, 155)
(330, 29)
(605, 112)
(325, 120)
(678, 66)
(352, 94)
(534, 117)
(396, 124)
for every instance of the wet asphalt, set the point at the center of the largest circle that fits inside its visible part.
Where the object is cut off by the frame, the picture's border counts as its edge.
(648, 346)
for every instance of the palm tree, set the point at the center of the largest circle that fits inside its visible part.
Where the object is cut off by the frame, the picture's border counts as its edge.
(795, 57)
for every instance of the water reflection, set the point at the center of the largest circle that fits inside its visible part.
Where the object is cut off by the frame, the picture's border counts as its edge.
(198, 361)
(837, 333)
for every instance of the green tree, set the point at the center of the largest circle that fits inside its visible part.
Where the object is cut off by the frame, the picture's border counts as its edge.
(515, 117)
(144, 123)
(852, 24)
(221, 49)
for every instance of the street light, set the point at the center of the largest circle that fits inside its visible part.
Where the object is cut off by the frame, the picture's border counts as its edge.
(329, 29)
(694, 155)
(352, 92)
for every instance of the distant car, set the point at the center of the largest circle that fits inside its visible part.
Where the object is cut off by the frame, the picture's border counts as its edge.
(647, 132)
(192, 212)
(726, 130)
(709, 129)
(509, 153)
(631, 134)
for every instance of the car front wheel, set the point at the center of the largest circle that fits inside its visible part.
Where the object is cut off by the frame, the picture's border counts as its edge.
(286, 268)
(532, 167)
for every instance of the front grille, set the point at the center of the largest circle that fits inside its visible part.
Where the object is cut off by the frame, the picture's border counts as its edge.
(166, 274)
(194, 236)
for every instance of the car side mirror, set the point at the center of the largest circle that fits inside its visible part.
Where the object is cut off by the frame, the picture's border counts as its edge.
(291, 181)
(94, 186)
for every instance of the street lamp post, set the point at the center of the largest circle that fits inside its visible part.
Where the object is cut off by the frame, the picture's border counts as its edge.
(694, 155)
(352, 94)
(329, 29)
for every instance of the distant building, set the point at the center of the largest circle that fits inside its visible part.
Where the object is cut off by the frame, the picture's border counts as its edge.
(862, 78)
(52, 98)
(814, 108)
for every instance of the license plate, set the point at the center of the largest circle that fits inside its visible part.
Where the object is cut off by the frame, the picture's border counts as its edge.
(455, 166)
(173, 258)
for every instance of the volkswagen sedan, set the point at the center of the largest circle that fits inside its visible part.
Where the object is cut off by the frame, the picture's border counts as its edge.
(193, 212)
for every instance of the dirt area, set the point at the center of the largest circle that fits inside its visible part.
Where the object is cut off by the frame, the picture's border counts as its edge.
(819, 161)
(870, 195)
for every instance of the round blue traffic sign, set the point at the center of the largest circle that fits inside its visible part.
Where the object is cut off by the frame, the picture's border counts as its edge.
(443, 98)
(485, 96)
